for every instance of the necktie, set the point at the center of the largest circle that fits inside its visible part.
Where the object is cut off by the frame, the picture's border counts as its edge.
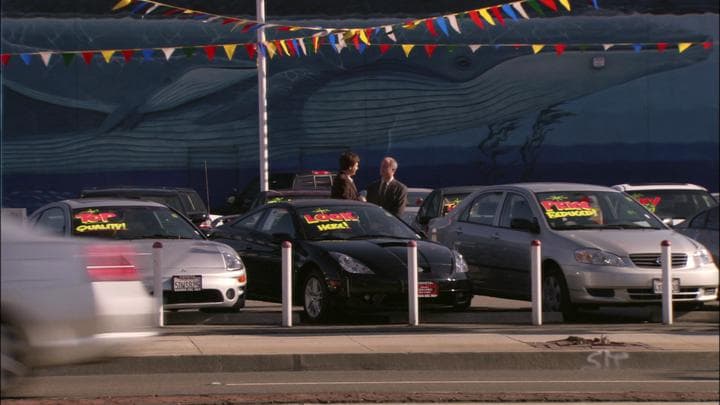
(383, 186)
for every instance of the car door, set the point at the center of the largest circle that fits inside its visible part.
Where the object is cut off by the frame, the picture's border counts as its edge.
(268, 272)
(472, 237)
(429, 209)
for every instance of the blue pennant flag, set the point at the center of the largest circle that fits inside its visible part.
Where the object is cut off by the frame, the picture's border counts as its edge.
(595, 4)
(25, 58)
(362, 47)
(139, 7)
(148, 54)
(509, 11)
(637, 47)
(443, 25)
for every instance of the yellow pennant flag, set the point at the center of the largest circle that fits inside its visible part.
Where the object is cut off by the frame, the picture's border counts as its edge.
(407, 48)
(364, 37)
(107, 55)
(411, 24)
(229, 50)
(285, 48)
(682, 46)
(316, 44)
(537, 48)
(271, 49)
(486, 16)
(120, 4)
(565, 4)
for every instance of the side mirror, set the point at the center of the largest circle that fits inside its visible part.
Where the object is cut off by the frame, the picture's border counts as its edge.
(525, 224)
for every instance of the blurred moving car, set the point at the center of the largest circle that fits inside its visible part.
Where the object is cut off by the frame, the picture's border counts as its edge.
(345, 254)
(67, 300)
(184, 200)
(197, 273)
(439, 203)
(673, 202)
(415, 198)
(704, 228)
(599, 247)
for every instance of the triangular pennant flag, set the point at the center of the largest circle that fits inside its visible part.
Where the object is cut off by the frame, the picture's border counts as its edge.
(87, 57)
(368, 35)
(516, 46)
(120, 4)
(127, 54)
(271, 48)
(431, 27)
(595, 4)
(407, 48)
(607, 46)
(362, 48)
(384, 48)
(151, 9)
(560, 48)
(171, 12)
(138, 7)
(535, 6)
(189, 51)
(210, 51)
(474, 47)
(412, 24)
(5, 58)
(429, 49)
(390, 33)
(261, 48)
(213, 18)
(637, 47)
(333, 43)
(662, 46)
(229, 20)
(283, 28)
(565, 4)
(68, 58)
(45, 57)
(230, 50)
(453, 22)
(475, 17)
(682, 46)
(363, 37)
(707, 45)
(443, 25)
(484, 14)
(291, 47)
(248, 26)
(550, 4)
(356, 41)
(496, 12)
(107, 55)
(249, 48)
(537, 48)
(27, 58)
(148, 54)
(301, 44)
(519, 8)
(509, 11)
(168, 52)
(316, 44)
(279, 48)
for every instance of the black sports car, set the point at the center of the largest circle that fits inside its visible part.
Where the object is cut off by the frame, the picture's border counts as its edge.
(345, 254)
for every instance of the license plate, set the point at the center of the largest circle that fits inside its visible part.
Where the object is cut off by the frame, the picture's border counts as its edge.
(187, 283)
(427, 289)
(658, 286)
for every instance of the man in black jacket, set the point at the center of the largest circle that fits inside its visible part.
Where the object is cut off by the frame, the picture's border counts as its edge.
(344, 187)
(387, 192)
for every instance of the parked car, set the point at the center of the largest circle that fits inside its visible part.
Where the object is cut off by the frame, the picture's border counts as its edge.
(345, 254)
(703, 227)
(184, 200)
(673, 202)
(415, 198)
(439, 203)
(197, 273)
(599, 247)
(66, 301)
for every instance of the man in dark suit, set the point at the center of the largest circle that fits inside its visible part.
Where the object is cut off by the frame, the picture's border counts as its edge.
(344, 187)
(387, 192)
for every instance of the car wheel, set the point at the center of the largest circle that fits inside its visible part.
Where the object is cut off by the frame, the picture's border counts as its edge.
(13, 349)
(462, 304)
(315, 298)
(555, 295)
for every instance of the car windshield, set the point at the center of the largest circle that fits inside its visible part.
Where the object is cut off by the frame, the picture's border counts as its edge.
(675, 204)
(594, 210)
(415, 198)
(126, 223)
(352, 222)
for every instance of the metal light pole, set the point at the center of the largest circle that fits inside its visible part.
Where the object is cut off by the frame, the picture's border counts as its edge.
(262, 97)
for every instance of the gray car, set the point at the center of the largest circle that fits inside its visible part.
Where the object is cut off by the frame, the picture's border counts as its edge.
(599, 246)
(704, 228)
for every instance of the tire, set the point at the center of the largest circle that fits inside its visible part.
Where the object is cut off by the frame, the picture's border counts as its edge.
(462, 305)
(13, 350)
(555, 295)
(316, 301)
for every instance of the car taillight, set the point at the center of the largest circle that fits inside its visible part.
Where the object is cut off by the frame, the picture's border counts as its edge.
(105, 262)
(320, 172)
(206, 224)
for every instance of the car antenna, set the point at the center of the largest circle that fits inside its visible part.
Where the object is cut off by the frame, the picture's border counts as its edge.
(207, 189)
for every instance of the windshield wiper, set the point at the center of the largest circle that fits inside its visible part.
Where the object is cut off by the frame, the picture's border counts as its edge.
(372, 236)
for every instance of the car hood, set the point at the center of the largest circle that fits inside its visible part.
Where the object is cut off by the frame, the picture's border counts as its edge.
(630, 241)
(388, 257)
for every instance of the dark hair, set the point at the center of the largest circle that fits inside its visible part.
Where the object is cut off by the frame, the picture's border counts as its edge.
(348, 159)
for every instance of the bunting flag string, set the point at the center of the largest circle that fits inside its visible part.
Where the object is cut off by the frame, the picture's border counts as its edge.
(308, 46)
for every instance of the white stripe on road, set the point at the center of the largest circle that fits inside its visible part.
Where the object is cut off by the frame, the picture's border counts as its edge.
(471, 382)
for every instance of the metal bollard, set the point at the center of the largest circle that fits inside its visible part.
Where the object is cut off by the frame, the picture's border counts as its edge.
(287, 284)
(667, 290)
(433, 234)
(413, 317)
(536, 282)
(157, 282)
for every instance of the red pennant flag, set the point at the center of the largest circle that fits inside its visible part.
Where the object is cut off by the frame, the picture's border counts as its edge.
(707, 45)
(127, 54)
(5, 58)
(431, 27)
(279, 48)
(229, 20)
(368, 33)
(250, 49)
(429, 49)
(560, 48)
(291, 47)
(283, 28)
(210, 51)
(87, 57)
(384, 48)
(517, 46)
(496, 12)
(662, 46)
(247, 27)
(550, 4)
(475, 16)
(171, 11)
(356, 41)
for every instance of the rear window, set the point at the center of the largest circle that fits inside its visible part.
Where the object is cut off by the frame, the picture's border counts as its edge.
(674, 204)
(313, 182)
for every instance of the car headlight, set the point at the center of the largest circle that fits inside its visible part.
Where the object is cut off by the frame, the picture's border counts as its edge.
(702, 257)
(232, 261)
(460, 263)
(598, 257)
(350, 265)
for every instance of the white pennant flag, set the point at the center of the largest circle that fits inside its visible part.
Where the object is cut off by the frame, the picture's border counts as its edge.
(607, 46)
(341, 42)
(168, 52)
(519, 8)
(474, 48)
(453, 22)
(151, 9)
(389, 32)
(211, 19)
(302, 46)
(45, 56)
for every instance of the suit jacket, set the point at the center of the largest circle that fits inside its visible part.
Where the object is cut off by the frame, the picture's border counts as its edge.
(344, 188)
(394, 198)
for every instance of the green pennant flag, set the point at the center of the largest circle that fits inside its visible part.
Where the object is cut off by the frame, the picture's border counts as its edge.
(68, 58)
(535, 6)
(451, 48)
(189, 51)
